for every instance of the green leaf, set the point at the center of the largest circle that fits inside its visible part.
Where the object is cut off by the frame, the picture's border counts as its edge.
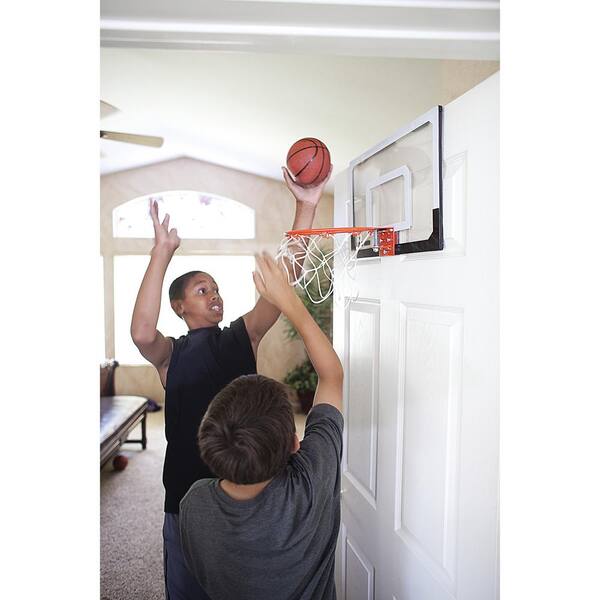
(303, 377)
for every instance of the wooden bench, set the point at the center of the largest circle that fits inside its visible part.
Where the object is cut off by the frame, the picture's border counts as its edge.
(119, 415)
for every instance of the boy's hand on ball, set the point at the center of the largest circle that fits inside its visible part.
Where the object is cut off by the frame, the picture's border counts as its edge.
(164, 238)
(309, 194)
(271, 281)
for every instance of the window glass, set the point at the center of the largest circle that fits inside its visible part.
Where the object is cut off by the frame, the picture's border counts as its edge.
(195, 215)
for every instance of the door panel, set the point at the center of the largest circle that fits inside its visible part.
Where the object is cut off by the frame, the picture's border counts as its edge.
(420, 351)
(358, 570)
(362, 397)
(429, 436)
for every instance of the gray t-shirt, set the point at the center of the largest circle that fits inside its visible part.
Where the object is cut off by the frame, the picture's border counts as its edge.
(279, 545)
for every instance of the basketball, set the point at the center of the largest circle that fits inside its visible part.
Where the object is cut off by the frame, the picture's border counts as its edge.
(308, 161)
(119, 462)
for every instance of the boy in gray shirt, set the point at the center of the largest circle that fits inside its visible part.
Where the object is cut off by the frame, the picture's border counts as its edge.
(266, 529)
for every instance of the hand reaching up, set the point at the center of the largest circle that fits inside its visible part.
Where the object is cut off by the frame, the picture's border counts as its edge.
(271, 281)
(310, 195)
(164, 238)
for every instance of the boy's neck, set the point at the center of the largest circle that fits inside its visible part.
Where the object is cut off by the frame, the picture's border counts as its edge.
(193, 325)
(243, 492)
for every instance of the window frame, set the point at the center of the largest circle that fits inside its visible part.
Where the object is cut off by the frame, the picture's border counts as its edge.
(121, 246)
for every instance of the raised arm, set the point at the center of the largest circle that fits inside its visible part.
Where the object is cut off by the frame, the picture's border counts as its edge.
(263, 316)
(150, 342)
(272, 284)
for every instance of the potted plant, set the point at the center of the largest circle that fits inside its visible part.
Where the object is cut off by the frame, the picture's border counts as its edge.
(303, 377)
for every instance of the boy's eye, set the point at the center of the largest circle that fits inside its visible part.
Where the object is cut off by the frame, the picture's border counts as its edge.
(202, 291)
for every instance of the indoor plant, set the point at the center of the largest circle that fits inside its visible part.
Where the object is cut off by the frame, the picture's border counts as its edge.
(303, 377)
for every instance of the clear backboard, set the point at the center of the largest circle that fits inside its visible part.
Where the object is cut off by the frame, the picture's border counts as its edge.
(398, 184)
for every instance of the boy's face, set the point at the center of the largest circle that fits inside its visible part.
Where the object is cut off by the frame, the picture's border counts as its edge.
(202, 304)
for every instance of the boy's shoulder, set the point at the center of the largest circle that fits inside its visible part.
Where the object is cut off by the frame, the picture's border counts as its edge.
(324, 411)
(200, 488)
(321, 446)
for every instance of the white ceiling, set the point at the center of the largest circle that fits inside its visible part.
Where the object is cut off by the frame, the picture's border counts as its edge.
(236, 82)
(450, 29)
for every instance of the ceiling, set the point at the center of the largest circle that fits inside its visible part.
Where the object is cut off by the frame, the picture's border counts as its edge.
(235, 82)
(450, 29)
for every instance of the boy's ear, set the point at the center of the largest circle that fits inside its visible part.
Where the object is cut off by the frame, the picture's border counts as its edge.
(176, 305)
(295, 444)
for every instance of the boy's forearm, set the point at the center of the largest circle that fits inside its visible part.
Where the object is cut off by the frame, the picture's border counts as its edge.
(147, 304)
(305, 215)
(319, 348)
(303, 219)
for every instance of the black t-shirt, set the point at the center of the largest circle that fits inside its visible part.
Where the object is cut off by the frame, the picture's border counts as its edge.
(202, 363)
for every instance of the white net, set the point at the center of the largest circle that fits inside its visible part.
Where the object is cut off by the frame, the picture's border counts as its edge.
(310, 260)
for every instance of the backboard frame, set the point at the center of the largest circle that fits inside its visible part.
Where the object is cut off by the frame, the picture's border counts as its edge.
(435, 241)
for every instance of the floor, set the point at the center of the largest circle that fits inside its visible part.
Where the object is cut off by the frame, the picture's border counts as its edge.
(131, 516)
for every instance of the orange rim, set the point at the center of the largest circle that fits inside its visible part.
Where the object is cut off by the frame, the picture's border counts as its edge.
(329, 230)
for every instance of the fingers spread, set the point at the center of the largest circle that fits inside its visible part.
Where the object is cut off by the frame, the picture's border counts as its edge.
(267, 266)
(154, 211)
(259, 261)
(283, 268)
(268, 259)
(288, 177)
(258, 282)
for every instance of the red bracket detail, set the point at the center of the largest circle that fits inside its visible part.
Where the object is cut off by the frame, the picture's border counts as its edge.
(387, 242)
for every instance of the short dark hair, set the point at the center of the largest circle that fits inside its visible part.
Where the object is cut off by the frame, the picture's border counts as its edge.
(247, 432)
(177, 288)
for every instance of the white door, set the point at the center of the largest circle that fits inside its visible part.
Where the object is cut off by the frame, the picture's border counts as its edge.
(420, 351)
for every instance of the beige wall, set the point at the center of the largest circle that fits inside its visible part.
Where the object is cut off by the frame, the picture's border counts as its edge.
(274, 206)
(459, 76)
(440, 83)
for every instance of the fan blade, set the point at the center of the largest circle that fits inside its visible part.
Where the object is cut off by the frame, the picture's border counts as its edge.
(107, 109)
(132, 138)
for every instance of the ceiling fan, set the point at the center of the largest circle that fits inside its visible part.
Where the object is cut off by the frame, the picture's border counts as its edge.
(131, 138)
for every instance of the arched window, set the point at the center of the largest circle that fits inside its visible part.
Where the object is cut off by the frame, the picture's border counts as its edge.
(196, 215)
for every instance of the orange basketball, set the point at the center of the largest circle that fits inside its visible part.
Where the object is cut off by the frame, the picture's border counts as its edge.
(119, 462)
(308, 161)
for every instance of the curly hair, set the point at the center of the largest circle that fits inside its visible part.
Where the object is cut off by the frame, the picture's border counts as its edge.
(177, 287)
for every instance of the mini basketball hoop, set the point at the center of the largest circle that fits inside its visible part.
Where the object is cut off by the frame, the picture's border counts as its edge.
(310, 253)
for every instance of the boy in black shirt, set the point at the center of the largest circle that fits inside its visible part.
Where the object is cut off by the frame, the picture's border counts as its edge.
(267, 528)
(196, 366)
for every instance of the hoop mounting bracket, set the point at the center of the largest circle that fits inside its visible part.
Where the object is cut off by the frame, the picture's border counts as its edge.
(386, 241)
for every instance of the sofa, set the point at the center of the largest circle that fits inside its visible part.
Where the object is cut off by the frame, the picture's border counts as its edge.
(119, 415)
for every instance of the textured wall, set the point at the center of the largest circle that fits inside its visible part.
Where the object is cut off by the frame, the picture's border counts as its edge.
(274, 206)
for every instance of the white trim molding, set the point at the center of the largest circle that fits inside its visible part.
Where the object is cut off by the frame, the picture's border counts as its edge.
(445, 29)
